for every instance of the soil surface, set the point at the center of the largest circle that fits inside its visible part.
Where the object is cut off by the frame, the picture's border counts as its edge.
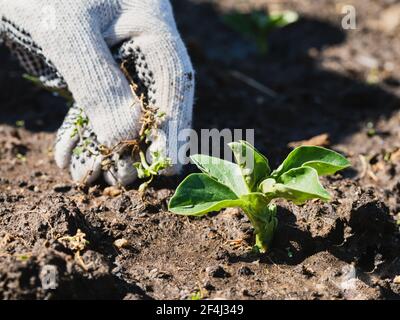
(341, 83)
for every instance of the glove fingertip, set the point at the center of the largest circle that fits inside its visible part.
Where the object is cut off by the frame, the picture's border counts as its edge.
(174, 170)
(63, 149)
(121, 173)
(85, 169)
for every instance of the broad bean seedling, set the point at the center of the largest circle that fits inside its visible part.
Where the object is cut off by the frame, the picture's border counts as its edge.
(251, 185)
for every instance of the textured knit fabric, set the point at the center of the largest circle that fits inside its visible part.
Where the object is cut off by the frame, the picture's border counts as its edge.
(66, 44)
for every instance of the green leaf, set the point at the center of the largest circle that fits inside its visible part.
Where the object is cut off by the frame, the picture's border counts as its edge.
(242, 23)
(225, 172)
(297, 185)
(282, 19)
(258, 24)
(77, 151)
(159, 163)
(325, 161)
(267, 186)
(199, 194)
(253, 164)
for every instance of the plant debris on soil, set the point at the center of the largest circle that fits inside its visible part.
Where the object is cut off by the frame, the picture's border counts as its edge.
(126, 245)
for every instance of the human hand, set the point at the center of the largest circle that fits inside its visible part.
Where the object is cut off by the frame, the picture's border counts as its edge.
(67, 46)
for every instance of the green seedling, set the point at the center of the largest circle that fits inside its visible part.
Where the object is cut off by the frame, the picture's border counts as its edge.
(198, 295)
(257, 25)
(80, 123)
(251, 185)
(24, 257)
(371, 132)
(78, 151)
(20, 123)
(147, 171)
(21, 157)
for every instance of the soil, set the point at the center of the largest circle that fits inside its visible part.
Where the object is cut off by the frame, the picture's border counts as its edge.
(342, 83)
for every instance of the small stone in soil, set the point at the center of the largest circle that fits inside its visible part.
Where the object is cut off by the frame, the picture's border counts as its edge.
(121, 243)
(112, 192)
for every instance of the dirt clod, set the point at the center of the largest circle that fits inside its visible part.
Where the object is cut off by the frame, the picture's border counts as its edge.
(217, 272)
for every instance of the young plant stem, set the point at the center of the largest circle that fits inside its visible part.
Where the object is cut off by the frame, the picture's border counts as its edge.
(223, 184)
(262, 216)
(267, 230)
(144, 163)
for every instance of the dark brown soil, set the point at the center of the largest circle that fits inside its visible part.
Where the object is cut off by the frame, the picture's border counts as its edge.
(328, 80)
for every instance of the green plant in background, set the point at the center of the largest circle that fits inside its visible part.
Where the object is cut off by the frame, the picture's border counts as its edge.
(79, 124)
(257, 25)
(252, 186)
(20, 123)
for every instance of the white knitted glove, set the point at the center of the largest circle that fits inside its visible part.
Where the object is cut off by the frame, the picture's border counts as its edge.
(66, 44)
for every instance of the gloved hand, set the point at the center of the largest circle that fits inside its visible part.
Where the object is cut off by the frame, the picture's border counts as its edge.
(68, 44)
